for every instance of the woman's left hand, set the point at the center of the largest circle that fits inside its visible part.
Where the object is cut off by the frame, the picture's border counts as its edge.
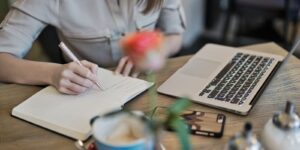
(126, 68)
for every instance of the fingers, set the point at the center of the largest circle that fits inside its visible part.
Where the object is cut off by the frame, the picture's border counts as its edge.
(126, 68)
(121, 65)
(78, 79)
(82, 71)
(93, 67)
(67, 87)
(67, 91)
(74, 79)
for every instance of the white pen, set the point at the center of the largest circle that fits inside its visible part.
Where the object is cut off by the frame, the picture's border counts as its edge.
(69, 53)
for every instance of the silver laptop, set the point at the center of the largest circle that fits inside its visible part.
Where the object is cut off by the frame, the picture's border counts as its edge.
(224, 77)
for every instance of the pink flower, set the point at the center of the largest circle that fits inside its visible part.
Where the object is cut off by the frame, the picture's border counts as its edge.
(144, 49)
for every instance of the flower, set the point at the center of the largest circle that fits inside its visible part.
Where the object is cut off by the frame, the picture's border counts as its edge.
(144, 49)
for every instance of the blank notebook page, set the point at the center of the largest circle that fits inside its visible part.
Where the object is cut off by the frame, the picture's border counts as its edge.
(70, 115)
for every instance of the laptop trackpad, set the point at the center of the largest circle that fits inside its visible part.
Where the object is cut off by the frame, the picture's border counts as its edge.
(199, 67)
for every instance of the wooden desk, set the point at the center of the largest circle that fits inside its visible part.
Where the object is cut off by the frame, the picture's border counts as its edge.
(17, 134)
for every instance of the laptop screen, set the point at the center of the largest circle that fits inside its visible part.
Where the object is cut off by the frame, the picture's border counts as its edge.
(285, 60)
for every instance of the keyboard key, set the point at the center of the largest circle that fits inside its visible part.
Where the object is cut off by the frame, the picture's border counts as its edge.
(235, 100)
(237, 79)
(212, 94)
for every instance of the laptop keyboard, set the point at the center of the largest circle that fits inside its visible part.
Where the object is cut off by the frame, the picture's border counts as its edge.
(237, 79)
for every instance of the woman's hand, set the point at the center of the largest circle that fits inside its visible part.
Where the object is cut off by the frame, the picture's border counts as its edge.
(126, 68)
(74, 79)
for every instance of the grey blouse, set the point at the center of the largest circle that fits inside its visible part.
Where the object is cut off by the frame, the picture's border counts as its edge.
(91, 28)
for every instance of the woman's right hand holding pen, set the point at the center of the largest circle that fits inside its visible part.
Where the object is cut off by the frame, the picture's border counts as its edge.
(74, 79)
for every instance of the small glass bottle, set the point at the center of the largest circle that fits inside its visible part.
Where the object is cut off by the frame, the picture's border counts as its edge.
(283, 130)
(245, 140)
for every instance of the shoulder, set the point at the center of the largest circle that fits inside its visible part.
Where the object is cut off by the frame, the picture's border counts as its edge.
(36, 4)
(44, 10)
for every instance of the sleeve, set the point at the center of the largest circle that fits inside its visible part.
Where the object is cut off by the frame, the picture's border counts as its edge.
(22, 25)
(172, 17)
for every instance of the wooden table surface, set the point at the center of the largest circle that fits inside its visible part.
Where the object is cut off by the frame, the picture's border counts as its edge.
(18, 134)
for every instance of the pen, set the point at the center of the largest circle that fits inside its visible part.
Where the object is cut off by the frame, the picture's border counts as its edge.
(69, 53)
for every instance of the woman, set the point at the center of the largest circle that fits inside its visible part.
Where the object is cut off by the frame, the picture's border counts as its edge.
(91, 28)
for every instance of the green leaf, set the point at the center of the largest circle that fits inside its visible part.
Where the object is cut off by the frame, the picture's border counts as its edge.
(179, 106)
(182, 132)
(175, 110)
(176, 123)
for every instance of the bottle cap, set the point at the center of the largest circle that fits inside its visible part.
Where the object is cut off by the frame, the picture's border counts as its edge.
(287, 120)
(244, 140)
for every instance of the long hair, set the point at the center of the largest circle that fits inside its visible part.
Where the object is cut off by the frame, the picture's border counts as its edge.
(152, 5)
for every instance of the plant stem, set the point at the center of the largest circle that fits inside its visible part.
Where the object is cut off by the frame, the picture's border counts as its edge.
(152, 92)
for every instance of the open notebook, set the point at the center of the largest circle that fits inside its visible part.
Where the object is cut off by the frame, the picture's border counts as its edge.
(70, 115)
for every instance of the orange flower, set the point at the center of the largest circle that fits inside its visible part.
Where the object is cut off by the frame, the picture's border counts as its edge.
(144, 49)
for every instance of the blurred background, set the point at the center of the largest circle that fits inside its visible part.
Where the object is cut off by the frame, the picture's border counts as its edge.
(240, 22)
(228, 22)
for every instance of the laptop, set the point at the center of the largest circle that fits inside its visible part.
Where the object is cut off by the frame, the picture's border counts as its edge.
(223, 77)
